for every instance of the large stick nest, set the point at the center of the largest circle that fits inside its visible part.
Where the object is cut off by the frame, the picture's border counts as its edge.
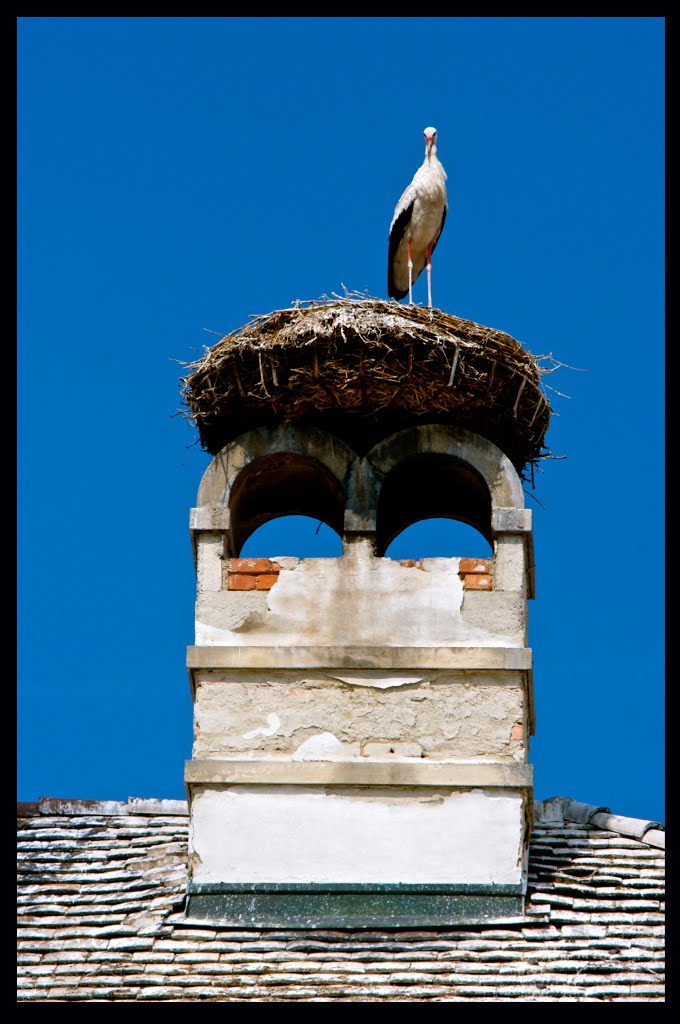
(363, 368)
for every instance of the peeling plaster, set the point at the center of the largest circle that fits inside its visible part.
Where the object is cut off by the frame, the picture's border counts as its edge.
(357, 599)
(381, 680)
(323, 747)
(273, 725)
(444, 717)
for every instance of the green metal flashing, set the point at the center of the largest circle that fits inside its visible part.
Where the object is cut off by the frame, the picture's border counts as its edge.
(360, 905)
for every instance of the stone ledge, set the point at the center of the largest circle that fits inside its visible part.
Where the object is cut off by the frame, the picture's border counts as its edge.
(511, 520)
(354, 773)
(209, 519)
(360, 657)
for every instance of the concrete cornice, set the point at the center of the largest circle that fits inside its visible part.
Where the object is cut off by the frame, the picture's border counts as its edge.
(360, 657)
(358, 773)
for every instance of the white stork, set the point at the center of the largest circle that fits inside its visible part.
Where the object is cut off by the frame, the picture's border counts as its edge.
(417, 224)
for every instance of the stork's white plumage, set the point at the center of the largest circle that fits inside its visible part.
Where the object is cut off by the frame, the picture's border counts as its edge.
(417, 224)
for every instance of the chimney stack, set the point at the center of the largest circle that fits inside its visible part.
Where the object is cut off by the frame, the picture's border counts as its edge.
(362, 723)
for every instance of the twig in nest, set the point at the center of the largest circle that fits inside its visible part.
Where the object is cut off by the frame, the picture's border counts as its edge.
(264, 386)
(453, 368)
(556, 392)
(539, 403)
(530, 495)
(238, 379)
(519, 395)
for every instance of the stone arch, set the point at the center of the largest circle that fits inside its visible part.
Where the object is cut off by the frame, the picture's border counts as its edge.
(438, 470)
(276, 471)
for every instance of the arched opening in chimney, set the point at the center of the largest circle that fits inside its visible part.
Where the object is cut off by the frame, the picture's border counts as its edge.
(426, 489)
(301, 536)
(439, 538)
(289, 486)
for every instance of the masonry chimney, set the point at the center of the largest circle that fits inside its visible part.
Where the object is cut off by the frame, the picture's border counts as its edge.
(362, 723)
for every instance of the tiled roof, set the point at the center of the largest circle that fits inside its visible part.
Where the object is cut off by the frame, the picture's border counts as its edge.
(101, 895)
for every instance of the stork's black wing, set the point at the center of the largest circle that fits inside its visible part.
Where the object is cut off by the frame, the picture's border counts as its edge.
(397, 232)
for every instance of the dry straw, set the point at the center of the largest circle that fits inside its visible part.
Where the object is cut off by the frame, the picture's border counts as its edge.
(363, 368)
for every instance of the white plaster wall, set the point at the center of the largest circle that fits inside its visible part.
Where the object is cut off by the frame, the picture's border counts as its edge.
(359, 834)
(436, 715)
(209, 548)
(356, 599)
(511, 564)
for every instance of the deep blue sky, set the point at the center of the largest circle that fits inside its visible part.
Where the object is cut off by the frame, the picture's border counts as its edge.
(183, 174)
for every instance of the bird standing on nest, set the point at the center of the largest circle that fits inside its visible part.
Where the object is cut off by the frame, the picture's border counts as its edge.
(417, 224)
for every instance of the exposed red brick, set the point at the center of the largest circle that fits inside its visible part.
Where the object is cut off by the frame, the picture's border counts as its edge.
(473, 565)
(239, 581)
(250, 565)
(517, 731)
(481, 581)
(266, 582)
(410, 563)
